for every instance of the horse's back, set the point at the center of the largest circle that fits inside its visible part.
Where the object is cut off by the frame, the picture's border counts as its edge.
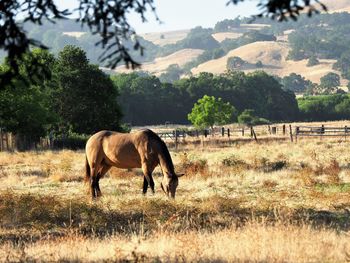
(117, 149)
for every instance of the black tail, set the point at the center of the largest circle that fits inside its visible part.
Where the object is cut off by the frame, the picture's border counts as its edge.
(87, 170)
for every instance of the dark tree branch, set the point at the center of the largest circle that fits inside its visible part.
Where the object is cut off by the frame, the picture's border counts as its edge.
(282, 10)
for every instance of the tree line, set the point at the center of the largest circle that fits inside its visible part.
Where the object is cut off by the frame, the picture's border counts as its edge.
(73, 96)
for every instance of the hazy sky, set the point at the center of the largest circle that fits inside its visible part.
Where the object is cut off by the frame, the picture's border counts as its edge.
(184, 14)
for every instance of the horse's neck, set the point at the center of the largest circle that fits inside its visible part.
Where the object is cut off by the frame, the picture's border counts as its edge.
(165, 165)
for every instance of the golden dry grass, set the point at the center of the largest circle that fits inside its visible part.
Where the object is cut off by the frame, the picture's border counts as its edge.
(226, 35)
(275, 202)
(169, 37)
(160, 64)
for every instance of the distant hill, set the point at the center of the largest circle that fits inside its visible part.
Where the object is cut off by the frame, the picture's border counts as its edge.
(279, 57)
(277, 48)
(160, 64)
(165, 38)
(273, 56)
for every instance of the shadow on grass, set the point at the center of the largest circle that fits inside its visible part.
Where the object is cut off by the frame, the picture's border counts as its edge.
(32, 217)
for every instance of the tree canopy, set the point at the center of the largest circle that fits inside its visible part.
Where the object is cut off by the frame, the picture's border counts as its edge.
(209, 111)
(78, 97)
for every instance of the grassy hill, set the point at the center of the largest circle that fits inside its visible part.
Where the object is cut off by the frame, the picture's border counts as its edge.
(273, 56)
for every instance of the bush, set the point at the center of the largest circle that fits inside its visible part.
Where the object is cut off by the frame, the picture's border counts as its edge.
(248, 117)
(72, 142)
(235, 63)
(259, 64)
(312, 61)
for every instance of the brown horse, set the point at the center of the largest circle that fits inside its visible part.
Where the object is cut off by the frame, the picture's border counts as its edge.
(143, 149)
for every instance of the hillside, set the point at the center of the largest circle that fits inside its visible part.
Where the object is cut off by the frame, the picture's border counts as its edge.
(165, 38)
(273, 56)
(160, 64)
(207, 49)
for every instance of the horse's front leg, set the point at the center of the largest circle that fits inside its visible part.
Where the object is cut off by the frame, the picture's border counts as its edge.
(151, 183)
(145, 185)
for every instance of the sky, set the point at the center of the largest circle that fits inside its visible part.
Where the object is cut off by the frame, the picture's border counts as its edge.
(184, 14)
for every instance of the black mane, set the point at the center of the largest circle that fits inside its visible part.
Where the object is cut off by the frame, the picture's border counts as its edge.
(164, 149)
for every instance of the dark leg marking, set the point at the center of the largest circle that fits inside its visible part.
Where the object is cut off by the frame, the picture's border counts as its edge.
(151, 183)
(145, 185)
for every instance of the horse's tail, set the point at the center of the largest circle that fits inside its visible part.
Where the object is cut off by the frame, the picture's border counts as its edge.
(87, 170)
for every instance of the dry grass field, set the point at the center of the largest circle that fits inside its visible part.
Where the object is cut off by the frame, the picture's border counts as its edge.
(275, 202)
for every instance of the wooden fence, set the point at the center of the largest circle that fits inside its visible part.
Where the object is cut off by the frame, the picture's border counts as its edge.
(9, 142)
(321, 131)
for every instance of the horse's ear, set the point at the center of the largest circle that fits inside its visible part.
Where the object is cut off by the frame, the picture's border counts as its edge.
(179, 175)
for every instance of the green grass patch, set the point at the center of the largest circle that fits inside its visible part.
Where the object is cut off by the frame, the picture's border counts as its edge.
(333, 188)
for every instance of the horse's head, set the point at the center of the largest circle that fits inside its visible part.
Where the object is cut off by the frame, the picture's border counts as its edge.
(170, 183)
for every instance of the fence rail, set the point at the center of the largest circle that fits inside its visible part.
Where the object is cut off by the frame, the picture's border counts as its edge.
(322, 131)
(10, 142)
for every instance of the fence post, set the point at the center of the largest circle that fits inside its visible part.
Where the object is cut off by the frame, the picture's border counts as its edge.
(284, 129)
(297, 129)
(243, 132)
(222, 131)
(322, 131)
(205, 133)
(176, 139)
(228, 133)
(291, 133)
(1, 146)
(255, 138)
(251, 131)
(346, 131)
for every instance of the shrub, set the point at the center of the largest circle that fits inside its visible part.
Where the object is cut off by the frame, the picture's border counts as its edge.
(259, 64)
(312, 61)
(193, 167)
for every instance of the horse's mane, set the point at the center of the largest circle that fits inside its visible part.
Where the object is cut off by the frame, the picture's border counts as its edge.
(163, 148)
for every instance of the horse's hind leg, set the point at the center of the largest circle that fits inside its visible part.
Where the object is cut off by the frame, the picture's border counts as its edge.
(147, 175)
(147, 179)
(95, 168)
(93, 182)
(104, 169)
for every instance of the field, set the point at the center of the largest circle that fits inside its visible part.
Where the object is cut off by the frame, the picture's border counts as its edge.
(247, 202)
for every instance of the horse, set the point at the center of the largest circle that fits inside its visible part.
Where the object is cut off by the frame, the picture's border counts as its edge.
(142, 149)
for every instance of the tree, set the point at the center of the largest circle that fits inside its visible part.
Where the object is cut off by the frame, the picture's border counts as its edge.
(209, 111)
(330, 82)
(343, 64)
(249, 117)
(296, 83)
(312, 61)
(85, 98)
(173, 73)
(259, 64)
(108, 19)
(235, 63)
(25, 109)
